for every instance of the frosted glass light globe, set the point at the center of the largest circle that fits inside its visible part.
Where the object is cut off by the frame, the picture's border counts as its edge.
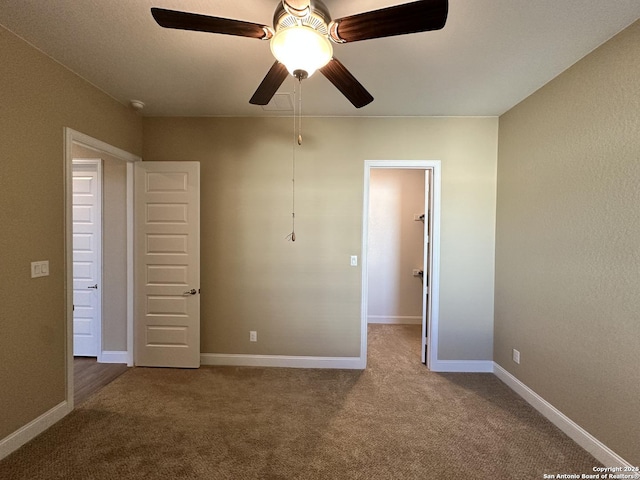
(301, 48)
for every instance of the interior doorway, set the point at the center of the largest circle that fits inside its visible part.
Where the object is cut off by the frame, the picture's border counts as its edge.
(80, 145)
(422, 307)
(395, 260)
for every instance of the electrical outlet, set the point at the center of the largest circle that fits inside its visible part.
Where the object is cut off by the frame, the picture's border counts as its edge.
(516, 356)
(253, 336)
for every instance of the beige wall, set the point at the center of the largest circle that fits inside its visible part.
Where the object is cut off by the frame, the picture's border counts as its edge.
(114, 309)
(114, 248)
(38, 98)
(568, 254)
(303, 298)
(395, 245)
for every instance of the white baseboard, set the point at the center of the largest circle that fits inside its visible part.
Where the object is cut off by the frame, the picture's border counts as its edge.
(32, 429)
(113, 357)
(600, 451)
(395, 320)
(462, 366)
(241, 360)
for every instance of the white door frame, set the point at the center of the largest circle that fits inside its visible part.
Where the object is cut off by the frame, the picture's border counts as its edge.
(434, 266)
(94, 165)
(72, 137)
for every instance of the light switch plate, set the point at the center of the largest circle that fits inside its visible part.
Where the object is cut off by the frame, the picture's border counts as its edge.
(40, 269)
(354, 260)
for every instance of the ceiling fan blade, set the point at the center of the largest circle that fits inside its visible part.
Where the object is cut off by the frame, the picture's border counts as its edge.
(344, 81)
(205, 23)
(412, 17)
(270, 84)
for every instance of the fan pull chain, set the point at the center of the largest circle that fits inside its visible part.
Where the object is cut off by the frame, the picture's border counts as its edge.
(297, 138)
(299, 113)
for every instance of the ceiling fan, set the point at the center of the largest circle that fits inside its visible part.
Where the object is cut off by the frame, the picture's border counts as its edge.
(303, 33)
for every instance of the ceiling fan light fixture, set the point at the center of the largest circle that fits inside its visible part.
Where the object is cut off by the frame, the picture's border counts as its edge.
(301, 48)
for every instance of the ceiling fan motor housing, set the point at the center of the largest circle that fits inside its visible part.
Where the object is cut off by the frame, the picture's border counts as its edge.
(318, 18)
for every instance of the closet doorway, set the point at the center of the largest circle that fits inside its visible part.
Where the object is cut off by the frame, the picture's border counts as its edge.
(400, 254)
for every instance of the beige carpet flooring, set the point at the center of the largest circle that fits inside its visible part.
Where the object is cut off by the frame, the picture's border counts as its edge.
(395, 420)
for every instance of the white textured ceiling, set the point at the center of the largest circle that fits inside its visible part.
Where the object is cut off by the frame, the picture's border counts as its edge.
(491, 54)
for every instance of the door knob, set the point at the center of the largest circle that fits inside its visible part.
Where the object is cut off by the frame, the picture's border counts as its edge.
(93, 286)
(193, 291)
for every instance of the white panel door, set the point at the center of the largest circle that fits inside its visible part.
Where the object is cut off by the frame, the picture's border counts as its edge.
(167, 238)
(87, 223)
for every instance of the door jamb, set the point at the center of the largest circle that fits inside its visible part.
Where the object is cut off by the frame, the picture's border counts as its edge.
(72, 137)
(434, 274)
